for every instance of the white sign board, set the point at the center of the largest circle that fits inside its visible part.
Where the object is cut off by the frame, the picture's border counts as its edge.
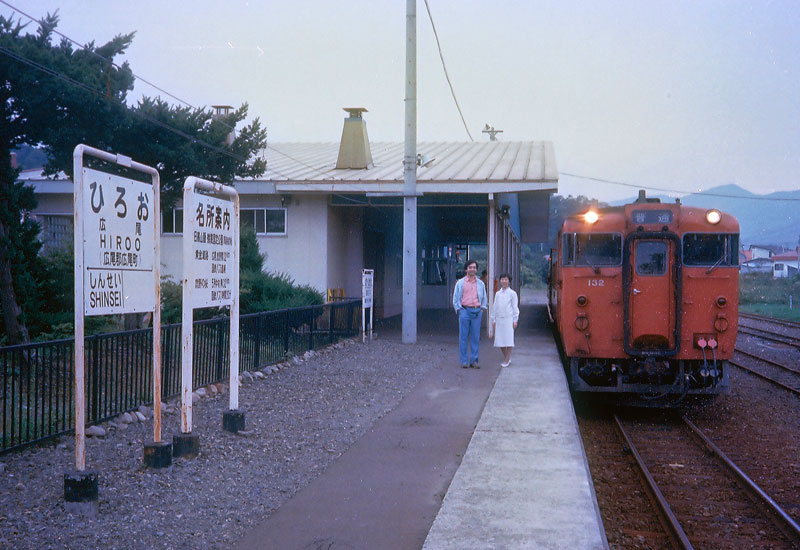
(366, 287)
(367, 276)
(118, 244)
(212, 238)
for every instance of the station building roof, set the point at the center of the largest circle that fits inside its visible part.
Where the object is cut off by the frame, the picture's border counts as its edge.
(449, 167)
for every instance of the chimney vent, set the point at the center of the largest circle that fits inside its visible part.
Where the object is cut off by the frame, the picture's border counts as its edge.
(354, 150)
(220, 111)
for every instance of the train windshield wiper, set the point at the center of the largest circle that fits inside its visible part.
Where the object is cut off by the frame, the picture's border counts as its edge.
(710, 269)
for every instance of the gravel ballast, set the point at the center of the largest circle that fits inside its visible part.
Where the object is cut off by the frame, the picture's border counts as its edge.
(300, 418)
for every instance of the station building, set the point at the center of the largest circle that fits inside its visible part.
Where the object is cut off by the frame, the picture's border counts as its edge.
(324, 211)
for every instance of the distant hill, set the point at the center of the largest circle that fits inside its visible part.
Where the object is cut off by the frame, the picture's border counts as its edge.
(761, 221)
(30, 157)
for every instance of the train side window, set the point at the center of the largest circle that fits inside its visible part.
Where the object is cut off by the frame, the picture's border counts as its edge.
(568, 249)
(651, 258)
(596, 249)
(709, 249)
(592, 249)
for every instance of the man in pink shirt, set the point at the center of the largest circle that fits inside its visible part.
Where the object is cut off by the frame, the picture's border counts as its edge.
(469, 301)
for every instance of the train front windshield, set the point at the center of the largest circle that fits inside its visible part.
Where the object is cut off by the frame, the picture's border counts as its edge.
(710, 249)
(592, 249)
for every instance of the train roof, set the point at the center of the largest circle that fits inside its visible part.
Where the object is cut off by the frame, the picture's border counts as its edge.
(651, 214)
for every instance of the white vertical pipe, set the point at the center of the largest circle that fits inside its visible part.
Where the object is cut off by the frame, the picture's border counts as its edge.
(490, 259)
(187, 315)
(157, 308)
(80, 404)
(234, 326)
(410, 181)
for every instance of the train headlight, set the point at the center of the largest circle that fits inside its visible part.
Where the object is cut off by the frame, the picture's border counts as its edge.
(713, 216)
(581, 322)
(721, 301)
(591, 216)
(582, 300)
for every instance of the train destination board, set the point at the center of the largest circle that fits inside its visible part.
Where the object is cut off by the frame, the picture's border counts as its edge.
(651, 216)
(118, 244)
(212, 243)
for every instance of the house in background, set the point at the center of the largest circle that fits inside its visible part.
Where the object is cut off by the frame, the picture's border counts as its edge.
(757, 265)
(785, 265)
(766, 250)
(745, 255)
(324, 211)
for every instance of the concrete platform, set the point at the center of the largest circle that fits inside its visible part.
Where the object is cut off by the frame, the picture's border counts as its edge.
(502, 445)
(524, 481)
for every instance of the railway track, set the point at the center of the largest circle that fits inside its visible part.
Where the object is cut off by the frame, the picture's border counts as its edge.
(705, 500)
(784, 376)
(771, 336)
(773, 320)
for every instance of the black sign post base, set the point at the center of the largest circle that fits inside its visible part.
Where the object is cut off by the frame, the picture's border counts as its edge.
(158, 454)
(80, 493)
(185, 445)
(233, 420)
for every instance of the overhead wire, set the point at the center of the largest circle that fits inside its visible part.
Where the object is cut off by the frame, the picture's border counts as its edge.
(104, 96)
(173, 96)
(94, 53)
(446, 75)
(322, 171)
(665, 190)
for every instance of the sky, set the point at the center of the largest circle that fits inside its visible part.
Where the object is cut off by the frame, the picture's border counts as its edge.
(672, 94)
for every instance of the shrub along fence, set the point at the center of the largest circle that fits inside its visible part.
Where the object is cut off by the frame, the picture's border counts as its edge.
(38, 377)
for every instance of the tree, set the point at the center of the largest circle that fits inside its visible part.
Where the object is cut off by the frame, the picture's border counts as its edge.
(56, 97)
(36, 104)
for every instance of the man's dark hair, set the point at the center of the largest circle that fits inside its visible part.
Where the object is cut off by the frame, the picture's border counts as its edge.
(506, 275)
(469, 263)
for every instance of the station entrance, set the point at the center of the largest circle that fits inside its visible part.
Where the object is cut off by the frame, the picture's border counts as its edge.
(452, 228)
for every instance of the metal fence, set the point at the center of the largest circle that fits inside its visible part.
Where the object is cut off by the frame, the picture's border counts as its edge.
(38, 377)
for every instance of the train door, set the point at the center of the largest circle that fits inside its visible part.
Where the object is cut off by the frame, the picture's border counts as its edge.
(652, 316)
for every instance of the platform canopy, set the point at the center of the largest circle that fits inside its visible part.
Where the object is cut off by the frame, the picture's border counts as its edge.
(445, 167)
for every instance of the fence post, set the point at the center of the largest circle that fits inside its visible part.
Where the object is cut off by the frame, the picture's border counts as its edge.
(330, 325)
(350, 309)
(286, 335)
(165, 363)
(311, 328)
(220, 350)
(95, 408)
(257, 340)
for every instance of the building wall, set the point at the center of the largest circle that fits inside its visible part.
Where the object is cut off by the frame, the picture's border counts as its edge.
(345, 249)
(54, 203)
(172, 256)
(303, 252)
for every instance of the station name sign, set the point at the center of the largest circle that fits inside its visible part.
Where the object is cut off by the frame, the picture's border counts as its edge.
(212, 242)
(118, 244)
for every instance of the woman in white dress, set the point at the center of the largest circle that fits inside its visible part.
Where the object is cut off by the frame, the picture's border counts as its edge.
(505, 315)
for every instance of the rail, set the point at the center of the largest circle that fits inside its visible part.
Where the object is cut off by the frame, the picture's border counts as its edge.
(769, 508)
(38, 378)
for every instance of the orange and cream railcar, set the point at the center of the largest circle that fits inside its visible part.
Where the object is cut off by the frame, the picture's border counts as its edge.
(645, 299)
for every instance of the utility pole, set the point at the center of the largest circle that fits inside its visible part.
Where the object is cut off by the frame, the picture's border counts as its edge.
(410, 181)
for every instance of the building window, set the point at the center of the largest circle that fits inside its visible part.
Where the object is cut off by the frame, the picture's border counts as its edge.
(172, 220)
(56, 230)
(265, 221)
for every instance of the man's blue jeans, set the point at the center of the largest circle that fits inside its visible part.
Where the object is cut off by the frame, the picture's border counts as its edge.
(469, 332)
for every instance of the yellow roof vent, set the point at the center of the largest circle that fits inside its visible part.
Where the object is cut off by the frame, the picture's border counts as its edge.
(354, 150)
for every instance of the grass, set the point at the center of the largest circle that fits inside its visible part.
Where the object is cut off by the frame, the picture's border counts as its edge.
(761, 294)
